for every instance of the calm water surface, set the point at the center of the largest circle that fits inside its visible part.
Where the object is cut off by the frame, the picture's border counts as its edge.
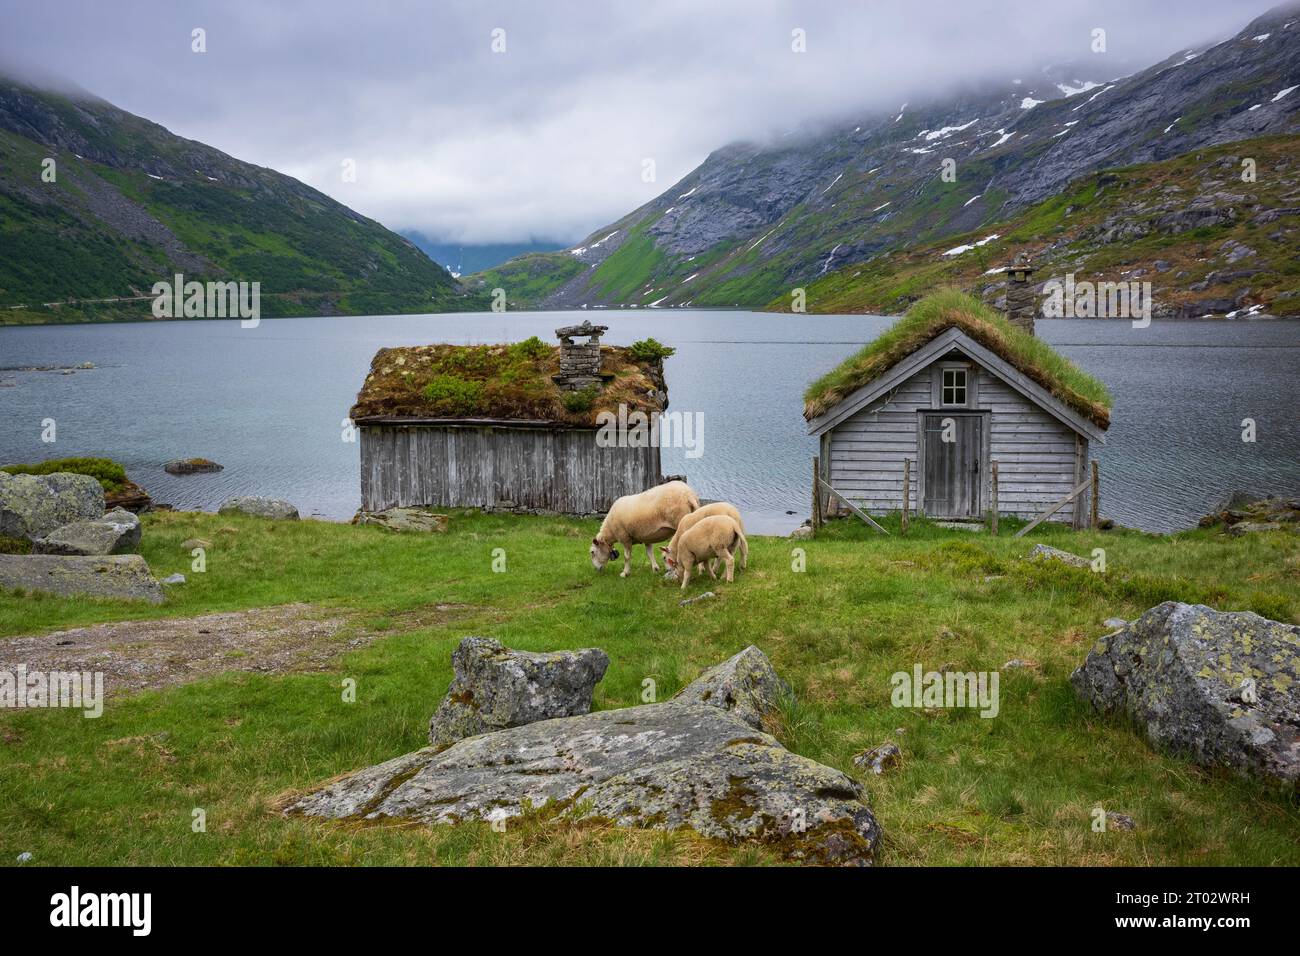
(269, 403)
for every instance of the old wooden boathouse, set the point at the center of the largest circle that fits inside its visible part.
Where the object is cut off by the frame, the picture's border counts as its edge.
(505, 427)
(958, 412)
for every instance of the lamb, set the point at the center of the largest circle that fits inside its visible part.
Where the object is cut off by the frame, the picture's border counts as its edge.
(708, 511)
(646, 518)
(716, 536)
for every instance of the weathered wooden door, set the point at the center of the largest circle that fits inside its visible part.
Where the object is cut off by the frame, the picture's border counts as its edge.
(952, 479)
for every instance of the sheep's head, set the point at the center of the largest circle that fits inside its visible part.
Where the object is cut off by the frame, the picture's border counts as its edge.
(667, 553)
(601, 552)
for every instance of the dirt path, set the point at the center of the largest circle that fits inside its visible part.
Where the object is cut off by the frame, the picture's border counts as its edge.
(135, 655)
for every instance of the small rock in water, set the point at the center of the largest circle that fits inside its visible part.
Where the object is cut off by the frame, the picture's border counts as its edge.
(191, 466)
(879, 759)
(174, 579)
(707, 595)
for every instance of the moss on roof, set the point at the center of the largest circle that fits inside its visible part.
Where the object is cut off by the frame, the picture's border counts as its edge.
(951, 308)
(512, 382)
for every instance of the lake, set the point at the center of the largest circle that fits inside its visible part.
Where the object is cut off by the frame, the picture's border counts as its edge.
(269, 403)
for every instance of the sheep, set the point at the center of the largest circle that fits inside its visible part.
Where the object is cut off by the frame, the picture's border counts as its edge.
(646, 518)
(716, 536)
(708, 511)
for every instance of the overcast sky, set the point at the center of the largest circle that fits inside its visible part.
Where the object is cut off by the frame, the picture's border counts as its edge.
(547, 138)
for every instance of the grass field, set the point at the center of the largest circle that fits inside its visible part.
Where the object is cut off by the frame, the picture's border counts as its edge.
(1016, 789)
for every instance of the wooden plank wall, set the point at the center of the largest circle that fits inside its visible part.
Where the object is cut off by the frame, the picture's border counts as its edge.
(560, 470)
(1036, 453)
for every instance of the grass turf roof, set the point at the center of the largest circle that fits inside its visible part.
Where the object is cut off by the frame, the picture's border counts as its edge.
(951, 308)
(508, 382)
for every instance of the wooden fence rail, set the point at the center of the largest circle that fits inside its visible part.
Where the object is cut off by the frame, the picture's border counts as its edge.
(852, 507)
(1083, 486)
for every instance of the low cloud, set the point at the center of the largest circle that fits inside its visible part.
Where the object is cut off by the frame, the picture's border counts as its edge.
(546, 140)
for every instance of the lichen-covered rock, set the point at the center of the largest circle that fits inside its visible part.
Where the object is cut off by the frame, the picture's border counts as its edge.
(879, 759)
(1045, 552)
(495, 687)
(1220, 687)
(664, 766)
(259, 506)
(31, 506)
(746, 684)
(117, 532)
(404, 519)
(121, 576)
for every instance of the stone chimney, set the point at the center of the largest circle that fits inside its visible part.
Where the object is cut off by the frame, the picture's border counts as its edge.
(1022, 301)
(580, 363)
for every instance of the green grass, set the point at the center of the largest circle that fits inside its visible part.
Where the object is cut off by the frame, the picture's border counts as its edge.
(1017, 789)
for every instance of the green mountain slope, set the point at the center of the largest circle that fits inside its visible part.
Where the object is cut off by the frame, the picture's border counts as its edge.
(132, 204)
(757, 220)
(1207, 241)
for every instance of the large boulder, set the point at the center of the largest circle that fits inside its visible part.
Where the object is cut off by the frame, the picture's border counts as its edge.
(495, 687)
(664, 766)
(259, 506)
(1222, 687)
(121, 576)
(31, 506)
(746, 684)
(117, 532)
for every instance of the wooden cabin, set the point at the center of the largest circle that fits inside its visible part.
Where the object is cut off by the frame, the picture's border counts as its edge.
(942, 400)
(505, 427)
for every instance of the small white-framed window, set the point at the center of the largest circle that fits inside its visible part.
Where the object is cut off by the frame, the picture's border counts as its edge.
(954, 386)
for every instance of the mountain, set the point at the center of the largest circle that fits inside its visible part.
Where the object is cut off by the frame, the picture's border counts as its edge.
(756, 220)
(463, 258)
(1209, 243)
(132, 204)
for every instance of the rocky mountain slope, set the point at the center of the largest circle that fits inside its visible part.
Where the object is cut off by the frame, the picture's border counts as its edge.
(755, 221)
(1207, 241)
(132, 204)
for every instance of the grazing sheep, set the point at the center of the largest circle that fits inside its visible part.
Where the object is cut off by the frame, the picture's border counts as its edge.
(717, 536)
(708, 511)
(647, 518)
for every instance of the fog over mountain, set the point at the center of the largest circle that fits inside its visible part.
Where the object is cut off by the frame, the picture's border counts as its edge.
(549, 137)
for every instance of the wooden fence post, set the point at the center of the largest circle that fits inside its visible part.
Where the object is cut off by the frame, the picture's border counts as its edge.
(907, 490)
(816, 494)
(993, 494)
(1096, 494)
